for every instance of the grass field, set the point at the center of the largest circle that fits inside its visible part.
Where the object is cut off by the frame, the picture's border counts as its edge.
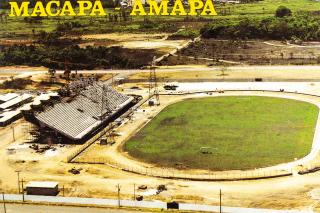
(243, 133)
(17, 27)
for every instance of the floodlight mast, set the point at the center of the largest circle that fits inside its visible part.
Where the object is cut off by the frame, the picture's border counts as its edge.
(153, 84)
(105, 109)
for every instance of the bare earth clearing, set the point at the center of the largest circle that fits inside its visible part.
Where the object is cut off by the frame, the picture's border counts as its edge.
(133, 41)
(247, 52)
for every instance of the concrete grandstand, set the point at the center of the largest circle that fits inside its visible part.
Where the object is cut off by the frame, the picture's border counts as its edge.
(80, 115)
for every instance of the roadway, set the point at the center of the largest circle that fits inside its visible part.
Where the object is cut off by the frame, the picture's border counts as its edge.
(58, 202)
(192, 68)
(31, 208)
(277, 72)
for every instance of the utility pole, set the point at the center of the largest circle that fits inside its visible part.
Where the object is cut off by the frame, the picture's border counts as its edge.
(220, 198)
(22, 181)
(118, 186)
(4, 203)
(112, 80)
(13, 136)
(18, 173)
(134, 191)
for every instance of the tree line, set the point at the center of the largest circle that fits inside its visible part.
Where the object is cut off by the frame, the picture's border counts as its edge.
(73, 56)
(304, 27)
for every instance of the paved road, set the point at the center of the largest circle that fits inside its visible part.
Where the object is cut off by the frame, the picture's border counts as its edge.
(123, 73)
(26, 208)
(22, 73)
(129, 203)
(205, 68)
(310, 72)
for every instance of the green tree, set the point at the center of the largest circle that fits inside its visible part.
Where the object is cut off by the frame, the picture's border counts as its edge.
(283, 11)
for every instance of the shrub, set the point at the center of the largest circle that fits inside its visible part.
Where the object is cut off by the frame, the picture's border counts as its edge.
(18, 83)
(283, 11)
(185, 34)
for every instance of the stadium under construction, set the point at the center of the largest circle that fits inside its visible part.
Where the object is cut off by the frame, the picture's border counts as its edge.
(82, 110)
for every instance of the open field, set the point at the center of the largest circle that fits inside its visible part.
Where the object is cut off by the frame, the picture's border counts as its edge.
(270, 6)
(140, 39)
(242, 133)
(210, 51)
(155, 41)
(18, 26)
(193, 72)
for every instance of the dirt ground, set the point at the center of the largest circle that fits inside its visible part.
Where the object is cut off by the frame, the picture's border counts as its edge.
(210, 51)
(218, 73)
(40, 78)
(42, 81)
(16, 70)
(8, 41)
(20, 71)
(157, 42)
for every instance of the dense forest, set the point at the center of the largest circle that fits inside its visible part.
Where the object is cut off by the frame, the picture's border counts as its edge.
(299, 27)
(74, 56)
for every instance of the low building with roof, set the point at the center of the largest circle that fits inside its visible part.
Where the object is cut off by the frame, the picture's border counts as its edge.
(8, 117)
(15, 102)
(45, 188)
(7, 97)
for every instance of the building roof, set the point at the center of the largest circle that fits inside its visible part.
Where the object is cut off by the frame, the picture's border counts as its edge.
(15, 101)
(86, 111)
(42, 184)
(7, 97)
(6, 116)
(37, 100)
(43, 97)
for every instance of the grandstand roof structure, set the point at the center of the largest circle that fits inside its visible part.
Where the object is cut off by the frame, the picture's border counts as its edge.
(92, 106)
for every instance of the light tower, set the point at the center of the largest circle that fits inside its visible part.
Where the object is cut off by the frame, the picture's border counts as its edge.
(105, 106)
(153, 85)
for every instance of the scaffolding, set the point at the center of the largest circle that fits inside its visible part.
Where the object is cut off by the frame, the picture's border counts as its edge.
(37, 134)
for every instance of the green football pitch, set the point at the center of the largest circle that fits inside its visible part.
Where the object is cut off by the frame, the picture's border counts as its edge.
(226, 133)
